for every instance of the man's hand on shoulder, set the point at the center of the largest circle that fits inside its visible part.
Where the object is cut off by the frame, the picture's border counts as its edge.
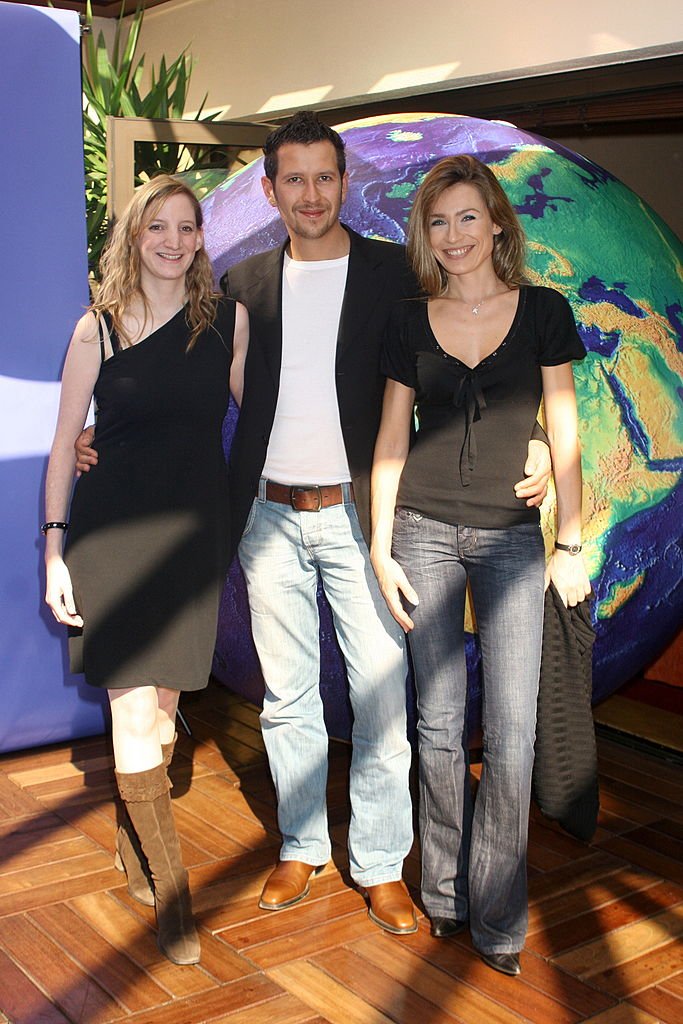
(86, 456)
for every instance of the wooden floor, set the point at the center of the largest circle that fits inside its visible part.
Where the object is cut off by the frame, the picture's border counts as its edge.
(605, 918)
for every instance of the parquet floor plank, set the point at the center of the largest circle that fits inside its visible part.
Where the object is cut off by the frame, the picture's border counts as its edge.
(651, 787)
(21, 833)
(207, 755)
(95, 822)
(473, 992)
(634, 794)
(46, 963)
(15, 803)
(669, 828)
(627, 809)
(22, 1000)
(221, 961)
(567, 905)
(605, 918)
(209, 1006)
(647, 857)
(229, 726)
(549, 835)
(216, 872)
(84, 796)
(236, 799)
(32, 778)
(65, 889)
(632, 765)
(266, 927)
(592, 924)
(564, 987)
(204, 835)
(569, 877)
(110, 968)
(249, 834)
(311, 940)
(57, 753)
(22, 848)
(334, 1001)
(543, 859)
(667, 1009)
(61, 787)
(128, 933)
(415, 992)
(613, 824)
(244, 712)
(236, 752)
(609, 951)
(53, 872)
(285, 1009)
(257, 783)
(531, 995)
(640, 972)
(674, 985)
(624, 1013)
(242, 881)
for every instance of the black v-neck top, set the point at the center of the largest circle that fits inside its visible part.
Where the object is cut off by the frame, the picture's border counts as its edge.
(474, 424)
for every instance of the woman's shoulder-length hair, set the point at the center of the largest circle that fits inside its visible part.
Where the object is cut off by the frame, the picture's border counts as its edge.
(509, 250)
(120, 263)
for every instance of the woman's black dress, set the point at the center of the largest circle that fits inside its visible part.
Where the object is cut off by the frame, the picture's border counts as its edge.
(148, 543)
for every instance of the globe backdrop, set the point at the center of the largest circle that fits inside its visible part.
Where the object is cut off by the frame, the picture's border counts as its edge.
(620, 267)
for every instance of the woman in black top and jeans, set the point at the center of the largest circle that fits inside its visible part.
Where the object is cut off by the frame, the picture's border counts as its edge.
(474, 359)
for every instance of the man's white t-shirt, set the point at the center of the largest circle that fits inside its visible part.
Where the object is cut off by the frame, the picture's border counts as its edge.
(306, 444)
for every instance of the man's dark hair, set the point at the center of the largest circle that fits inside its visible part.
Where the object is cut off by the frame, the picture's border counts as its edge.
(304, 128)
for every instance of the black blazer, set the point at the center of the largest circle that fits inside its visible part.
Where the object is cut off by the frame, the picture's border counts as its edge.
(378, 276)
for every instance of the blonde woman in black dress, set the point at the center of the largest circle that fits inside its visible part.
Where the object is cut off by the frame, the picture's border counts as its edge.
(147, 545)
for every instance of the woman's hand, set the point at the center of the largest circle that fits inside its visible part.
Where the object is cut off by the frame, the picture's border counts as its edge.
(59, 593)
(537, 470)
(568, 573)
(393, 583)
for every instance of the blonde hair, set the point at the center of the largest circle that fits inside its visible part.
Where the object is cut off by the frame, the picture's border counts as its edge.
(509, 247)
(120, 263)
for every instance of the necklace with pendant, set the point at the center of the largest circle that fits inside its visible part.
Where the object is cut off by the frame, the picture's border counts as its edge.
(474, 310)
(477, 306)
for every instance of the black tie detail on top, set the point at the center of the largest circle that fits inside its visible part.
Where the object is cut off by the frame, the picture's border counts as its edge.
(468, 395)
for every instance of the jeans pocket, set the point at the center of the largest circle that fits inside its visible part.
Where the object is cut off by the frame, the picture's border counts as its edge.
(250, 518)
(407, 515)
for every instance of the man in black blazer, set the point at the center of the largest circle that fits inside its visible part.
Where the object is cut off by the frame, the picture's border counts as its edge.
(300, 489)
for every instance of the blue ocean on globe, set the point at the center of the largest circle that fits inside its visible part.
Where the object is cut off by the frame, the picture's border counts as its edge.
(621, 268)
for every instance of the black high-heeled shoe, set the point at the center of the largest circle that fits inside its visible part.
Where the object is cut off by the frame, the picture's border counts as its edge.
(444, 927)
(506, 963)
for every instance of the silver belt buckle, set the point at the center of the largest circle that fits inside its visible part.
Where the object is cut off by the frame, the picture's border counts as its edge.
(293, 491)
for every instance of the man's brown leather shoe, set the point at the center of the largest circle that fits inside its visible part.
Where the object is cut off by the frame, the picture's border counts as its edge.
(286, 885)
(391, 908)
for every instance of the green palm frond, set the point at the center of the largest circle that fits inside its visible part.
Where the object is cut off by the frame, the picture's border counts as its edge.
(112, 85)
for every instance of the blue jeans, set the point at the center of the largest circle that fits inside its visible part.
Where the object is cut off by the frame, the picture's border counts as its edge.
(282, 552)
(474, 858)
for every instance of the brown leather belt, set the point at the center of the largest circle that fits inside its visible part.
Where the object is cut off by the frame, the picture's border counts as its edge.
(307, 499)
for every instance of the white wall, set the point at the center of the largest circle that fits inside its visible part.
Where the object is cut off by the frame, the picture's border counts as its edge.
(268, 55)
